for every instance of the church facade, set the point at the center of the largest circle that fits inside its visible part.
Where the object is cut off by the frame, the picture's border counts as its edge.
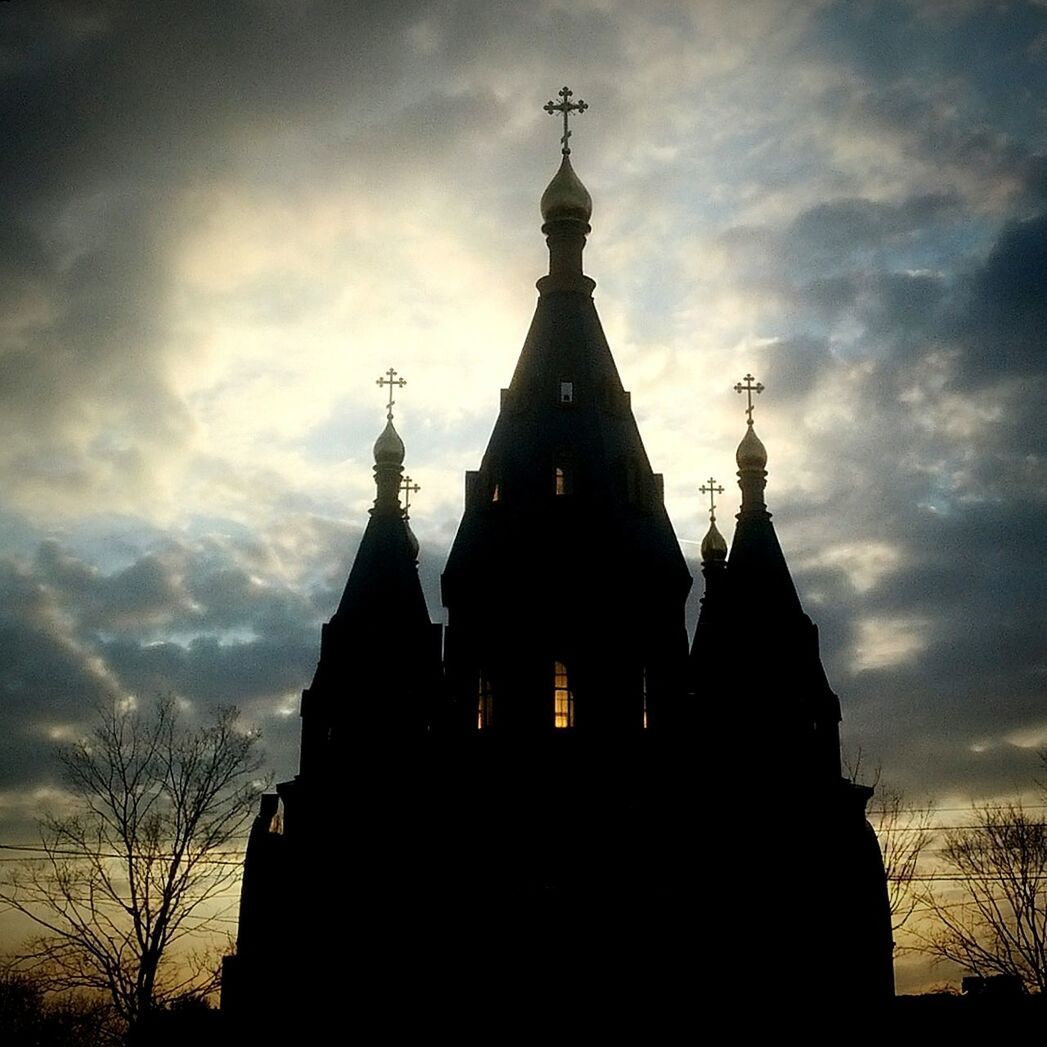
(556, 807)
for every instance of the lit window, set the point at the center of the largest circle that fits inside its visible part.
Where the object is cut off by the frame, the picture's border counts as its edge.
(563, 700)
(496, 494)
(562, 484)
(567, 392)
(485, 705)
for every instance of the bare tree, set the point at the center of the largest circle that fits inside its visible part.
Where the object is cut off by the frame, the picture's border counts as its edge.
(905, 831)
(144, 862)
(995, 919)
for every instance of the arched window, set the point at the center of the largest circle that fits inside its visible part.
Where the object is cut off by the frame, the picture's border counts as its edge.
(484, 704)
(563, 699)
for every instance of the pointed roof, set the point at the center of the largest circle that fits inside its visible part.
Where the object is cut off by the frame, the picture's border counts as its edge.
(383, 590)
(767, 624)
(379, 653)
(759, 575)
(566, 408)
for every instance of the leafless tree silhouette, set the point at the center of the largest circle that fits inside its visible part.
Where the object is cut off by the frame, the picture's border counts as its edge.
(994, 920)
(143, 862)
(905, 831)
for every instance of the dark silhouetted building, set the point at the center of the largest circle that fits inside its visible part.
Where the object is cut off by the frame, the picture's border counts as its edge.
(558, 813)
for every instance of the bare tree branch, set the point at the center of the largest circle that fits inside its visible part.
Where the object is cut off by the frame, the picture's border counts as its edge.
(138, 865)
(999, 923)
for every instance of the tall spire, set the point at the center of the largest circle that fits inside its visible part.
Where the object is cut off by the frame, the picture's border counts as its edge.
(566, 209)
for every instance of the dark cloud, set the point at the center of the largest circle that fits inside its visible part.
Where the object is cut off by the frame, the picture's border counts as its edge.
(47, 678)
(838, 231)
(938, 457)
(871, 176)
(1003, 319)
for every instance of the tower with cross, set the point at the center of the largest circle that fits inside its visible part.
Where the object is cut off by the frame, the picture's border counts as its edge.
(755, 643)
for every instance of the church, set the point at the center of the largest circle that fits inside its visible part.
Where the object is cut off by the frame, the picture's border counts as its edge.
(557, 808)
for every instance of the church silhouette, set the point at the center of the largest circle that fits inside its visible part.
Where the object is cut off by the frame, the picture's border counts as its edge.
(552, 810)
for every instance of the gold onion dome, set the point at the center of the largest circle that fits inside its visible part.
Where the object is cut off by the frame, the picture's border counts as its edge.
(566, 197)
(714, 545)
(751, 452)
(389, 448)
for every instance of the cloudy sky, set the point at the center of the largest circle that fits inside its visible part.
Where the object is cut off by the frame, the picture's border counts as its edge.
(221, 223)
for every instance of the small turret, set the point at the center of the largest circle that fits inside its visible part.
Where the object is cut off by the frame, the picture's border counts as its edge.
(714, 545)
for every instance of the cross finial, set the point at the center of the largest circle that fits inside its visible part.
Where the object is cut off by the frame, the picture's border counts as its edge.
(565, 106)
(749, 388)
(391, 381)
(408, 487)
(712, 489)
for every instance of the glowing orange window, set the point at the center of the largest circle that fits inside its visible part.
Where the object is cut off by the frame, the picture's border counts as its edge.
(563, 699)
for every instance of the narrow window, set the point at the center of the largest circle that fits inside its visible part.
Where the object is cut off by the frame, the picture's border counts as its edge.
(485, 705)
(496, 493)
(560, 478)
(567, 392)
(645, 697)
(563, 699)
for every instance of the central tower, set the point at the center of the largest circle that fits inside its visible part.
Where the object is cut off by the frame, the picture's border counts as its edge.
(550, 627)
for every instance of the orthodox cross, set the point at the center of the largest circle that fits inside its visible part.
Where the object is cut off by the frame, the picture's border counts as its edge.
(565, 106)
(749, 388)
(391, 381)
(712, 489)
(409, 487)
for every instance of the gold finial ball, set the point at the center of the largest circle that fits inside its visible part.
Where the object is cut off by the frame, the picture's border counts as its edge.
(751, 452)
(714, 545)
(566, 197)
(389, 448)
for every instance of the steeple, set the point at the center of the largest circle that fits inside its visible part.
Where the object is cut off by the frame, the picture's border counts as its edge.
(536, 577)
(757, 561)
(706, 668)
(766, 628)
(379, 653)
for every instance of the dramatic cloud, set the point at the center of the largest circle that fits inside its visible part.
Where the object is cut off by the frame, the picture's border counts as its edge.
(221, 223)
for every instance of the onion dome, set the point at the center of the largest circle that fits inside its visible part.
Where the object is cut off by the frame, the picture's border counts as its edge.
(389, 448)
(566, 198)
(714, 545)
(751, 453)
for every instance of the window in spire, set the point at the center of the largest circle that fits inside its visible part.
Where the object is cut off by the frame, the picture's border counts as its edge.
(563, 699)
(566, 391)
(645, 697)
(496, 493)
(485, 704)
(563, 480)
